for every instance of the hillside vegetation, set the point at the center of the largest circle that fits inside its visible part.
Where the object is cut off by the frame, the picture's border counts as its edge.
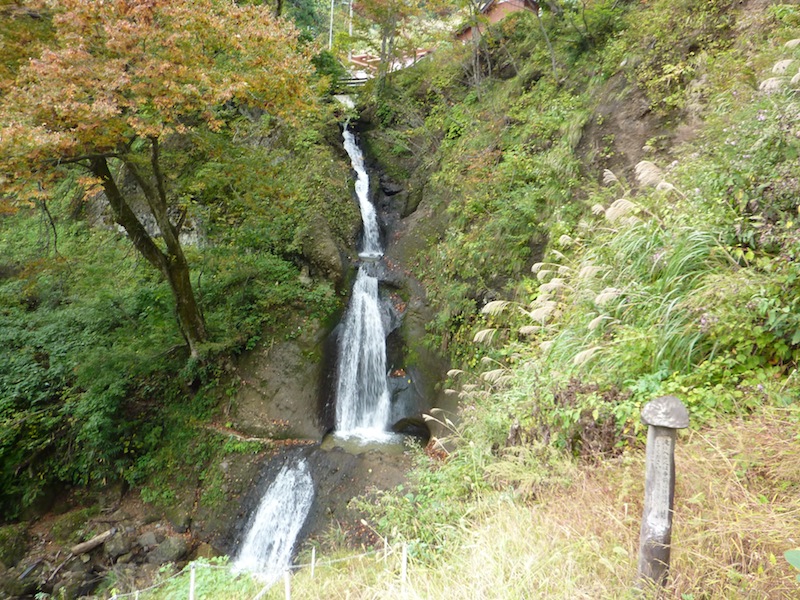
(604, 214)
(602, 203)
(603, 223)
(96, 386)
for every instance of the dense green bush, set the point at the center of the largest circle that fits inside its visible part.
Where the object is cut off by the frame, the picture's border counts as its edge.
(94, 379)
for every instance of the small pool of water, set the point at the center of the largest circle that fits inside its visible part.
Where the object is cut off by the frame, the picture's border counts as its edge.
(359, 442)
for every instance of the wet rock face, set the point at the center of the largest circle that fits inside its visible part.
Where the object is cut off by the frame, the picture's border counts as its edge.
(281, 388)
(320, 249)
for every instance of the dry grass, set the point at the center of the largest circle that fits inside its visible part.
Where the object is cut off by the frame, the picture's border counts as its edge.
(736, 512)
(737, 509)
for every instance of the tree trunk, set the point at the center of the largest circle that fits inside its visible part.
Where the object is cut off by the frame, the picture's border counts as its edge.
(172, 264)
(189, 316)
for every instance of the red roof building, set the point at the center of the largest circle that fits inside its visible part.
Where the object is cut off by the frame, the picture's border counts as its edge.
(492, 12)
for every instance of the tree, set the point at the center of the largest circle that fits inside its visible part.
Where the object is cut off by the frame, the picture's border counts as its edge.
(390, 17)
(23, 27)
(125, 79)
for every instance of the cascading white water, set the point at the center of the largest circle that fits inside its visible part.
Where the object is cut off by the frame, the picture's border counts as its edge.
(362, 395)
(362, 404)
(267, 549)
(369, 217)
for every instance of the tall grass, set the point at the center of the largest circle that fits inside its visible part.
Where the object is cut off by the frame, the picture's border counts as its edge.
(736, 503)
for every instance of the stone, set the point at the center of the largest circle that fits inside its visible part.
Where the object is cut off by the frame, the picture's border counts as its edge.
(180, 516)
(70, 585)
(118, 544)
(13, 543)
(22, 580)
(205, 550)
(666, 411)
(147, 540)
(320, 249)
(389, 187)
(171, 549)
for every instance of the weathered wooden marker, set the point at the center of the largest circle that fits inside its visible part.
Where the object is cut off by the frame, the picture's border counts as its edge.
(663, 416)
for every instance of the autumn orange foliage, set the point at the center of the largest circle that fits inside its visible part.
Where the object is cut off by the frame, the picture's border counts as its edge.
(120, 70)
(122, 77)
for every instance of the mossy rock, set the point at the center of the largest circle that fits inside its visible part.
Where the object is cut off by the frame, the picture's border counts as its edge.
(13, 543)
(73, 527)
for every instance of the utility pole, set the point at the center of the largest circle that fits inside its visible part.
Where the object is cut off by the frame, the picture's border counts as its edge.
(330, 29)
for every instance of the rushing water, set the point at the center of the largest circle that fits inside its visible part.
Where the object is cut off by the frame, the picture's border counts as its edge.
(362, 395)
(267, 549)
(362, 402)
(369, 218)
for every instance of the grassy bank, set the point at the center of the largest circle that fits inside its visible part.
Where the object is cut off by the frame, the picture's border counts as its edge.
(623, 229)
(735, 507)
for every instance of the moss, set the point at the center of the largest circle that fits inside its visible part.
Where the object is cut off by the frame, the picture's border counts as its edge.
(73, 527)
(13, 543)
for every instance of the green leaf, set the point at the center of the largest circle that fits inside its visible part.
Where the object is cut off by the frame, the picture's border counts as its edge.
(793, 556)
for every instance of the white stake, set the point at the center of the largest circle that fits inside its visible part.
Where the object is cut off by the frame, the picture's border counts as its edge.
(287, 584)
(191, 583)
(313, 560)
(404, 568)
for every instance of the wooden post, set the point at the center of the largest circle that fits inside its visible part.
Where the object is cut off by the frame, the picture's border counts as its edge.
(663, 416)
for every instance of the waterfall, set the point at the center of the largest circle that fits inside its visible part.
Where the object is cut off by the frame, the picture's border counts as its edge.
(369, 218)
(362, 402)
(362, 395)
(267, 548)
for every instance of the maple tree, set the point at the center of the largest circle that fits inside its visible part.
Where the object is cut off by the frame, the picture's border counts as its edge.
(122, 81)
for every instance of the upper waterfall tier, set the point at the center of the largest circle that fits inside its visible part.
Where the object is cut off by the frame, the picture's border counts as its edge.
(371, 246)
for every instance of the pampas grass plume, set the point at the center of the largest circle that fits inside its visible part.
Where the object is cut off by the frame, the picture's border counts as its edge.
(609, 178)
(588, 271)
(484, 336)
(606, 296)
(556, 283)
(542, 313)
(781, 66)
(495, 307)
(584, 356)
(773, 84)
(595, 323)
(647, 173)
(618, 209)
